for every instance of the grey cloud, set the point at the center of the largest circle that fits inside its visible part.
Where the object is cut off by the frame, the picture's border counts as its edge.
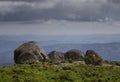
(77, 10)
(114, 1)
(23, 0)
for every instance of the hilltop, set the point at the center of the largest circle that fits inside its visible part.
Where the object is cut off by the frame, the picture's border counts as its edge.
(67, 70)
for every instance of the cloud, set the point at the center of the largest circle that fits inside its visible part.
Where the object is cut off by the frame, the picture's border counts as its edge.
(114, 1)
(24, 0)
(71, 10)
(60, 27)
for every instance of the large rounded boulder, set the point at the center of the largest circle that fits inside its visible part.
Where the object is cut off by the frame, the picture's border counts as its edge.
(74, 54)
(29, 52)
(56, 56)
(92, 57)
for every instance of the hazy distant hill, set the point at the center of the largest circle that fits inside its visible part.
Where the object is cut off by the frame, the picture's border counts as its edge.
(108, 46)
(110, 51)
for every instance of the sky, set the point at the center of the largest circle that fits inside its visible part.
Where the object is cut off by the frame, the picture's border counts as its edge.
(59, 17)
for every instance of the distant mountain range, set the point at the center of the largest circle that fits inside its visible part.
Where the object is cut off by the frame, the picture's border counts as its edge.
(108, 46)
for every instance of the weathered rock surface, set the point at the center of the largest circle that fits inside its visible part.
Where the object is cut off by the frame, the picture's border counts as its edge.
(74, 54)
(92, 57)
(29, 52)
(56, 56)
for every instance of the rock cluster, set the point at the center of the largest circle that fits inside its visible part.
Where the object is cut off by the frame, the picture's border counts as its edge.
(32, 52)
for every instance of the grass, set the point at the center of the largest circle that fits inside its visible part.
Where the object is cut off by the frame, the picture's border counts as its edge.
(48, 72)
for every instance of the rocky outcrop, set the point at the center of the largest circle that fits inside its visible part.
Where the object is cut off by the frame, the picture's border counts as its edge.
(92, 57)
(29, 52)
(56, 56)
(74, 54)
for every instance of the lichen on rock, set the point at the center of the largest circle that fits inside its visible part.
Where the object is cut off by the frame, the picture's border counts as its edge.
(29, 51)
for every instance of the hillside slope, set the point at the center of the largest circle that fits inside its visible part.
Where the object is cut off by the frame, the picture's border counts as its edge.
(48, 72)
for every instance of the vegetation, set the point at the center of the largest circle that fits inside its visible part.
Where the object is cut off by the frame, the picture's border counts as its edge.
(65, 72)
(117, 63)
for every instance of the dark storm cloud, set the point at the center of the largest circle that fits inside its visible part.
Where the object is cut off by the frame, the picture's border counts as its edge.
(78, 10)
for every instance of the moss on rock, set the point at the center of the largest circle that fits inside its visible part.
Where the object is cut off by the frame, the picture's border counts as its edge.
(92, 57)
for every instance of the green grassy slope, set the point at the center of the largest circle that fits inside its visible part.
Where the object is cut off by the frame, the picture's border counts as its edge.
(47, 72)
